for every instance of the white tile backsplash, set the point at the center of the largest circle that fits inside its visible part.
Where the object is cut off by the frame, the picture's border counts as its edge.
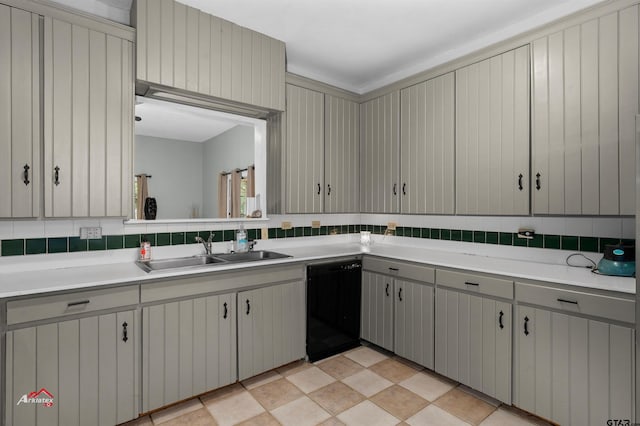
(112, 226)
(6, 229)
(607, 227)
(28, 228)
(629, 227)
(58, 228)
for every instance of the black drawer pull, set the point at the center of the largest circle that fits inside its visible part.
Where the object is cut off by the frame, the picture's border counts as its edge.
(328, 189)
(26, 174)
(526, 326)
(125, 335)
(520, 182)
(404, 189)
(319, 189)
(248, 307)
(500, 320)
(82, 302)
(573, 302)
(56, 176)
(394, 269)
(470, 283)
(400, 294)
(538, 186)
(386, 290)
(226, 311)
(395, 186)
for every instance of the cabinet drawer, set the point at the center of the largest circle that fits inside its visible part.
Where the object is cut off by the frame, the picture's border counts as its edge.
(44, 307)
(482, 284)
(399, 269)
(614, 308)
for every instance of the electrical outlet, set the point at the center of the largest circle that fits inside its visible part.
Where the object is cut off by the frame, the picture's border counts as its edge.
(526, 233)
(91, 233)
(286, 225)
(391, 226)
(315, 224)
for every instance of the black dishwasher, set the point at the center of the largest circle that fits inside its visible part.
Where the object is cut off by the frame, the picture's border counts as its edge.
(333, 308)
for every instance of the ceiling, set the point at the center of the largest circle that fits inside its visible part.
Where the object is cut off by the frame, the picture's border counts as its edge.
(361, 45)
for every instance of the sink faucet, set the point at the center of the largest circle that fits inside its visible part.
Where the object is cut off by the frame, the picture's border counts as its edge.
(207, 244)
(252, 243)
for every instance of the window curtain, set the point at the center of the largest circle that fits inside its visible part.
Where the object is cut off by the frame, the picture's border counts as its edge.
(251, 181)
(222, 195)
(236, 178)
(143, 193)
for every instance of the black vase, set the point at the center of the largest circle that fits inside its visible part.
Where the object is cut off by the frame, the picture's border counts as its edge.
(150, 208)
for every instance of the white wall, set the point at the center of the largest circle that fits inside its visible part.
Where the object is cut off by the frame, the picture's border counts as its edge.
(233, 149)
(176, 167)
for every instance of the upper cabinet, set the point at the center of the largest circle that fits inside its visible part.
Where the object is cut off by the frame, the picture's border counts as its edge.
(181, 47)
(492, 135)
(379, 154)
(20, 118)
(427, 146)
(585, 97)
(88, 121)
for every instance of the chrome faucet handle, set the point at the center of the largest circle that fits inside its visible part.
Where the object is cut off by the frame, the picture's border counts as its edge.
(252, 243)
(210, 239)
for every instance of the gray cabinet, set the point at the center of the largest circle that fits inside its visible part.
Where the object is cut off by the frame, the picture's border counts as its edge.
(379, 154)
(585, 97)
(271, 327)
(87, 365)
(88, 121)
(304, 150)
(193, 343)
(574, 360)
(397, 308)
(184, 48)
(427, 146)
(492, 135)
(20, 119)
(473, 332)
(341, 155)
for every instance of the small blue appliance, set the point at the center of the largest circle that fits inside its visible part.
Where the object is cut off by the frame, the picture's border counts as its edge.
(619, 260)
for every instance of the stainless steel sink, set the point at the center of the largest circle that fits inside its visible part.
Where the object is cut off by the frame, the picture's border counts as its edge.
(251, 256)
(179, 262)
(212, 259)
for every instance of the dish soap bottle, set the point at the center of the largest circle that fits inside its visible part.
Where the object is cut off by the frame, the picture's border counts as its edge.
(241, 239)
(145, 249)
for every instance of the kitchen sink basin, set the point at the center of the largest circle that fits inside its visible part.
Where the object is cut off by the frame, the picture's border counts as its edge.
(250, 256)
(212, 259)
(179, 262)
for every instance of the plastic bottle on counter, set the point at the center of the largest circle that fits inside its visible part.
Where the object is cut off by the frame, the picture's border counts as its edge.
(241, 239)
(145, 249)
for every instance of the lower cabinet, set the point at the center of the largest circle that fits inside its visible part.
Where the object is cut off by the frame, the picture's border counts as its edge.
(571, 369)
(271, 327)
(473, 333)
(188, 347)
(74, 372)
(397, 308)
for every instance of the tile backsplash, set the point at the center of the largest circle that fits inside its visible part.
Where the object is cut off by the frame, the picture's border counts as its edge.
(583, 234)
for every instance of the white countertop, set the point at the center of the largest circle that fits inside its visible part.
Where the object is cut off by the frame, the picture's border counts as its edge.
(36, 274)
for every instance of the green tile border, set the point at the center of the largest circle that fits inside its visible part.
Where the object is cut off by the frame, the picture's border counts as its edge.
(70, 244)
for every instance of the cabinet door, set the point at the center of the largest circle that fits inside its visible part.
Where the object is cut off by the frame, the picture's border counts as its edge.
(427, 146)
(342, 155)
(473, 342)
(571, 370)
(585, 95)
(304, 150)
(193, 342)
(19, 113)
(377, 309)
(413, 322)
(88, 121)
(88, 367)
(271, 328)
(492, 135)
(379, 156)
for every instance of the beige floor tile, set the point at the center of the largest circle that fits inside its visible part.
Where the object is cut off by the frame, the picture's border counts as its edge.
(264, 419)
(433, 415)
(301, 412)
(222, 393)
(365, 356)
(427, 385)
(274, 394)
(465, 406)
(393, 370)
(486, 398)
(175, 411)
(201, 417)
(400, 402)
(310, 379)
(367, 382)
(508, 416)
(142, 421)
(408, 363)
(339, 367)
(235, 409)
(293, 368)
(336, 397)
(369, 414)
(262, 379)
(332, 422)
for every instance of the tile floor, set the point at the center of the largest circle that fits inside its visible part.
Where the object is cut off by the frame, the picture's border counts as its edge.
(359, 387)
